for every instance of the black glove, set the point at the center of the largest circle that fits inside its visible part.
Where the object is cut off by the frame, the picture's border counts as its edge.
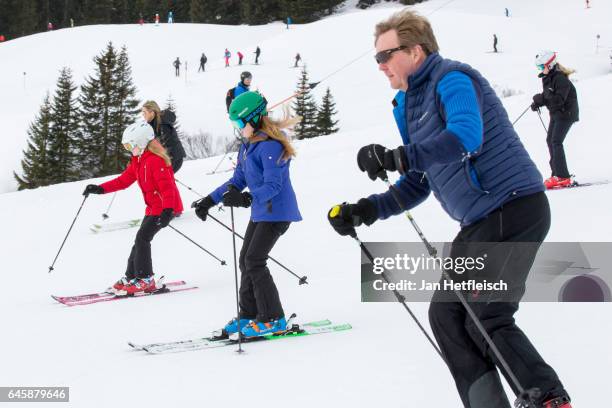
(376, 160)
(165, 217)
(538, 101)
(202, 206)
(92, 189)
(234, 198)
(345, 217)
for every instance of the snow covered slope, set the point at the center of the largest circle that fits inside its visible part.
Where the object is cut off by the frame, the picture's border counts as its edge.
(384, 360)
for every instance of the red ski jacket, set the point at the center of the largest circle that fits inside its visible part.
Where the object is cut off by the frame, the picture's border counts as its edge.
(155, 179)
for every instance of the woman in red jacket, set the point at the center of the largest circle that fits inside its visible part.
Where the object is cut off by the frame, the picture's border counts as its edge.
(151, 168)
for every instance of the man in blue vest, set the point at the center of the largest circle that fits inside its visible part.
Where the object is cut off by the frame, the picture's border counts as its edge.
(458, 143)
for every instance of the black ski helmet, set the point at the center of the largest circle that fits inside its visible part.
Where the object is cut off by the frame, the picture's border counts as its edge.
(245, 75)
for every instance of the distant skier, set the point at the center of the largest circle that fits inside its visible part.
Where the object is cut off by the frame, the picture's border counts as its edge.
(50, 26)
(177, 66)
(2, 38)
(150, 166)
(163, 124)
(588, 4)
(559, 96)
(257, 53)
(494, 43)
(289, 21)
(203, 61)
(263, 166)
(242, 87)
(298, 58)
(507, 12)
(458, 143)
(71, 22)
(170, 17)
(156, 19)
(240, 57)
(141, 20)
(227, 55)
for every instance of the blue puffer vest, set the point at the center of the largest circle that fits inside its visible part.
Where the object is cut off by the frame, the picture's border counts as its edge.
(471, 186)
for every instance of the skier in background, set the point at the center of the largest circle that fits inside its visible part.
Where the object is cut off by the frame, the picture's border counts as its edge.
(298, 58)
(156, 19)
(150, 166)
(170, 17)
(203, 60)
(177, 66)
(227, 55)
(494, 43)
(240, 57)
(289, 21)
(2, 39)
(559, 96)
(141, 20)
(257, 53)
(242, 87)
(50, 26)
(457, 141)
(507, 12)
(263, 167)
(163, 124)
(71, 22)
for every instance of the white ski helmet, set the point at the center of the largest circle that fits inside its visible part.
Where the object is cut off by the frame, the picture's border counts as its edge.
(139, 133)
(545, 58)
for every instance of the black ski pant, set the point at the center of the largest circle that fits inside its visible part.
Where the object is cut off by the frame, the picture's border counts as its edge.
(139, 263)
(177, 71)
(202, 67)
(557, 130)
(520, 226)
(258, 293)
(257, 59)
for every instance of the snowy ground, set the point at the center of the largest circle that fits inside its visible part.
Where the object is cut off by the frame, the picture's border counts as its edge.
(384, 360)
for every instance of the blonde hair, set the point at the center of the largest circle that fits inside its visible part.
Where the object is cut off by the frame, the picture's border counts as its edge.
(565, 70)
(412, 30)
(154, 107)
(158, 149)
(274, 129)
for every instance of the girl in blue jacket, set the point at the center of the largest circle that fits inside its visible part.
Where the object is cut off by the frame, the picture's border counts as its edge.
(263, 167)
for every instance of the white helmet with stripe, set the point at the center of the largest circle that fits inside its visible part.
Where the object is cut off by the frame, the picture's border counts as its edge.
(139, 133)
(546, 58)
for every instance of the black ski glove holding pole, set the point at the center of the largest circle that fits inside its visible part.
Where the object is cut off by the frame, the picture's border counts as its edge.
(234, 198)
(376, 160)
(165, 217)
(345, 217)
(202, 206)
(538, 101)
(92, 189)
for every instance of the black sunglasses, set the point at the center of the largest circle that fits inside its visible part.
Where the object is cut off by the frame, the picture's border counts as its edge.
(385, 55)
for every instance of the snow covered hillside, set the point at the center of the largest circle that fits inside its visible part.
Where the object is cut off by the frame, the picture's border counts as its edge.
(384, 360)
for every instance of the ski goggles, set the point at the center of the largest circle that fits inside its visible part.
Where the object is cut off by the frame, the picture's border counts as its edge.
(385, 55)
(240, 123)
(540, 67)
(128, 146)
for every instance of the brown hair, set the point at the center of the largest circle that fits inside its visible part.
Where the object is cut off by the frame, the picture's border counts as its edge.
(273, 128)
(565, 70)
(154, 107)
(158, 149)
(412, 30)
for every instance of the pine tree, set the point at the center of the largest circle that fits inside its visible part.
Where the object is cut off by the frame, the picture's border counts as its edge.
(63, 157)
(35, 164)
(123, 111)
(326, 125)
(305, 107)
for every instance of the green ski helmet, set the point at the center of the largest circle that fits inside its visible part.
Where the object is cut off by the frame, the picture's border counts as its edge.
(248, 107)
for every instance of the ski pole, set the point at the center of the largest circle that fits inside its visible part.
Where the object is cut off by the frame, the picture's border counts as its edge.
(68, 233)
(432, 252)
(542, 122)
(105, 214)
(218, 164)
(198, 245)
(187, 187)
(521, 115)
(335, 211)
(302, 280)
(236, 284)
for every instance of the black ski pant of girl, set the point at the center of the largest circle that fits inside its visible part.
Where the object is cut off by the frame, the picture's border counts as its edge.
(510, 236)
(258, 293)
(139, 263)
(557, 130)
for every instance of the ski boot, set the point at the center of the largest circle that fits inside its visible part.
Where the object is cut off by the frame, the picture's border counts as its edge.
(139, 285)
(119, 285)
(256, 328)
(230, 328)
(557, 182)
(559, 402)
